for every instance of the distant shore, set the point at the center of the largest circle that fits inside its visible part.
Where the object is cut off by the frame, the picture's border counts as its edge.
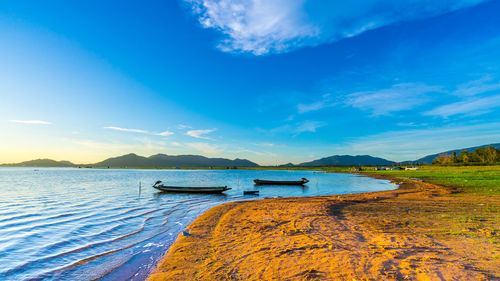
(421, 231)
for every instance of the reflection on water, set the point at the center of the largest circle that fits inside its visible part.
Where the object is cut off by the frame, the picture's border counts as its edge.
(84, 224)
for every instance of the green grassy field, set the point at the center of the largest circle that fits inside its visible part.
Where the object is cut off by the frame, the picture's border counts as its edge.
(483, 180)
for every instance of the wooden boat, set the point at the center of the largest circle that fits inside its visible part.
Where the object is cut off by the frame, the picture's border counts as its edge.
(271, 182)
(190, 189)
(250, 192)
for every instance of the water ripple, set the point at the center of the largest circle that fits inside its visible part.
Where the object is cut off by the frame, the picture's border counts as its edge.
(85, 224)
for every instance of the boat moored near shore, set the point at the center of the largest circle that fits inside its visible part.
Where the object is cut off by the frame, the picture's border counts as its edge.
(190, 189)
(273, 182)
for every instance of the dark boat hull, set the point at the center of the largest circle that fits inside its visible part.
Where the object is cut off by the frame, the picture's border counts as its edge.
(185, 189)
(251, 192)
(269, 182)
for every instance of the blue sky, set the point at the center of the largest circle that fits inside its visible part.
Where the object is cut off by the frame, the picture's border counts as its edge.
(272, 81)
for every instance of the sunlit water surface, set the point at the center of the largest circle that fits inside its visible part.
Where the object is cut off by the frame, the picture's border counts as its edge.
(86, 224)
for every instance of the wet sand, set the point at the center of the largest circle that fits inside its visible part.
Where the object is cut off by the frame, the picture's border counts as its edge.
(420, 231)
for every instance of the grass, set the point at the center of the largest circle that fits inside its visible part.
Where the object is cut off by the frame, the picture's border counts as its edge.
(480, 180)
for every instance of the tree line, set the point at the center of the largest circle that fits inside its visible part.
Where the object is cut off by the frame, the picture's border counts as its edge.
(484, 155)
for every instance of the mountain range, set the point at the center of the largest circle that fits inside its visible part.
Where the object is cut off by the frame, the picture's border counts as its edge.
(348, 160)
(41, 163)
(134, 160)
(163, 160)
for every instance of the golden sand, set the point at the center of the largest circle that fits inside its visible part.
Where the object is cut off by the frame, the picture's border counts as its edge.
(404, 234)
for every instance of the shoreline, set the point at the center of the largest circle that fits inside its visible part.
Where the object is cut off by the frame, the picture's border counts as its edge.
(397, 234)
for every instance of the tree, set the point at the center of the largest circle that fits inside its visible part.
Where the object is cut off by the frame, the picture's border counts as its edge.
(483, 155)
(464, 156)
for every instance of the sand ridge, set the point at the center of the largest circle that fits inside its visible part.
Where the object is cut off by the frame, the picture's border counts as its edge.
(370, 236)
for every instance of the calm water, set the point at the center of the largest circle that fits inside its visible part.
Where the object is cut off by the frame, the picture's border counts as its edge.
(85, 224)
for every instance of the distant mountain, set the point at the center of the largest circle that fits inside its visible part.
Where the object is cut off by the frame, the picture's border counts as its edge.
(42, 163)
(128, 160)
(348, 160)
(429, 158)
(163, 160)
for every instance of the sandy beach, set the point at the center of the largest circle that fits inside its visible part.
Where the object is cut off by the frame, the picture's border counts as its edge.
(420, 231)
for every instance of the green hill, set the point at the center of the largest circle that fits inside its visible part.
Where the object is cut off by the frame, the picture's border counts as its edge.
(163, 160)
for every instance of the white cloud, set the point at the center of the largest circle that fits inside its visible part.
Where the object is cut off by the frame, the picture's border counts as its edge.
(126, 130)
(476, 87)
(255, 26)
(199, 133)
(326, 101)
(268, 144)
(205, 147)
(165, 134)
(140, 131)
(473, 106)
(183, 127)
(309, 126)
(33, 122)
(397, 98)
(274, 26)
(411, 124)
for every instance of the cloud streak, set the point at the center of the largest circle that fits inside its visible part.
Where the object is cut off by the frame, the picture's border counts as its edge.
(32, 122)
(474, 106)
(275, 26)
(326, 101)
(126, 130)
(397, 98)
(165, 134)
(139, 131)
(477, 87)
(199, 134)
(309, 126)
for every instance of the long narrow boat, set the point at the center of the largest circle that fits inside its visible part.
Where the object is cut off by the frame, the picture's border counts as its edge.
(271, 182)
(190, 189)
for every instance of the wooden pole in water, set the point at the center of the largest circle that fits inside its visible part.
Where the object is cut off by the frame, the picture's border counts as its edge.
(140, 188)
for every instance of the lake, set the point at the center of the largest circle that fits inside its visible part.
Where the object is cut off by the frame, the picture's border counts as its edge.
(86, 224)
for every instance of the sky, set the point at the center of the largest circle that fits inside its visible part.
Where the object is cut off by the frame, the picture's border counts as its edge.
(272, 81)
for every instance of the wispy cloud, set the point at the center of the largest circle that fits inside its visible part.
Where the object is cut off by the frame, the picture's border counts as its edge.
(411, 124)
(326, 101)
(472, 106)
(139, 131)
(309, 126)
(165, 133)
(267, 144)
(183, 127)
(33, 122)
(199, 134)
(476, 87)
(397, 98)
(274, 26)
(126, 130)
(205, 147)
